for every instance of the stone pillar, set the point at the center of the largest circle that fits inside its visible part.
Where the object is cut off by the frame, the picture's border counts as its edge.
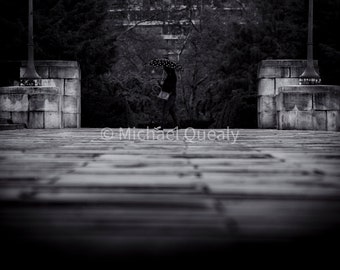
(273, 74)
(66, 76)
(36, 107)
(309, 107)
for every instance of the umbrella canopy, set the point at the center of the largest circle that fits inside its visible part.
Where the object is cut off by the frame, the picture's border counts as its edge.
(163, 62)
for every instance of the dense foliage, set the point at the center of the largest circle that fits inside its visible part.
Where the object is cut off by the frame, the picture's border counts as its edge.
(224, 55)
(218, 85)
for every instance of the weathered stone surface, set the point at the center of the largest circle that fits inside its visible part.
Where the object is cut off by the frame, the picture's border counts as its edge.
(266, 87)
(52, 120)
(266, 120)
(64, 72)
(59, 83)
(310, 88)
(287, 120)
(312, 107)
(28, 90)
(42, 102)
(313, 120)
(32, 110)
(36, 120)
(291, 120)
(266, 104)
(304, 120)
(274, 72)
(280, 82)
(42, 71)
(78, 120)
(5, 115)
(333, 120)
(72, 87)
(295, 72)
(56, 63)
(285, 63)
(79, 105)
(69, 104)
(282, 68)
(329, 101)
(13, 102)
(326, 98)
(287, 101)
(70, 120)
(56, 75)
(320, 120)
(19, 118)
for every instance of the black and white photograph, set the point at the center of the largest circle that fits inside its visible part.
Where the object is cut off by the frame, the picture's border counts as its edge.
(169, 133)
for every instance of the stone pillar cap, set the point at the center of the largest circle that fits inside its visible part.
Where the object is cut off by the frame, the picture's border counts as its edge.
(285, 63)
(54, 63)
(309, 88)
(31, 90)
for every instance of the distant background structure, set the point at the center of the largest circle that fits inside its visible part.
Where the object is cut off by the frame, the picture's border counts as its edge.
(220, 44)
(171, 19)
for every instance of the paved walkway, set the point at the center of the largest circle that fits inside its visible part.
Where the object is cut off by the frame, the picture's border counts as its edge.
(103, 193)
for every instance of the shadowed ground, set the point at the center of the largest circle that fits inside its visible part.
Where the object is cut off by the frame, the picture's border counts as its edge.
(74, 194)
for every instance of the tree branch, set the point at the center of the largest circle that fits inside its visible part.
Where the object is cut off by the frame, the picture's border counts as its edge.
(184, 44)
(243, 6)
(135, 25)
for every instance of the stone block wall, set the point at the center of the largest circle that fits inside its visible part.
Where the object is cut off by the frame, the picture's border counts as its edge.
(66, 76)
(309, 107)
(36, 107)
(273, 74)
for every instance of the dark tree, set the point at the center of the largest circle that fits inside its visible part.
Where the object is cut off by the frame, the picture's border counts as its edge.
(218, 87)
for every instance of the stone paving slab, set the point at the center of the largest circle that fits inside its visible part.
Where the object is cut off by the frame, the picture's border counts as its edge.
(72, 189)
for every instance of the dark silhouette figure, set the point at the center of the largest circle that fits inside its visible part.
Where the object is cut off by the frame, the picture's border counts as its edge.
(169, 86)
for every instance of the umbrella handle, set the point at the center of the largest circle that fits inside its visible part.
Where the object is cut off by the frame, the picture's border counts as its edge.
(163, 77)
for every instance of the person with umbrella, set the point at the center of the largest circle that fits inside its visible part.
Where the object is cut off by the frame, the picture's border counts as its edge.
(168, 89)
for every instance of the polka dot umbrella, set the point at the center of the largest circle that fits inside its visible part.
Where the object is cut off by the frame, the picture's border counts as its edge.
(163, 62)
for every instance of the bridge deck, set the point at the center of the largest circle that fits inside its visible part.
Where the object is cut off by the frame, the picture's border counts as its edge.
(73, 190)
